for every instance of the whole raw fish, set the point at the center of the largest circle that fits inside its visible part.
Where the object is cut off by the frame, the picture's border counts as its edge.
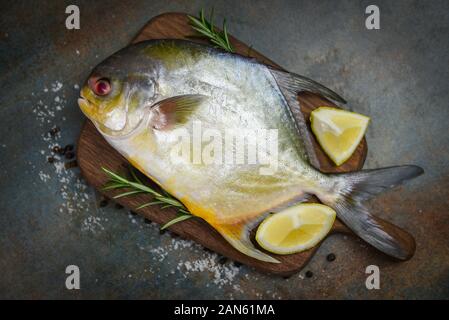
(169, 106)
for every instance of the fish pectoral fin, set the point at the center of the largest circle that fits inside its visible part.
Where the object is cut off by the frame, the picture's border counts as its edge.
(167, 113)
(238, 235)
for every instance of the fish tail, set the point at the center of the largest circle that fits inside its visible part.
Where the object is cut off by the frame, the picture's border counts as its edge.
(355, 188)
(238, 235)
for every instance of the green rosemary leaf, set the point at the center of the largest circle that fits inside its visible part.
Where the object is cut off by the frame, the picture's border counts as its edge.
(114, 186)
(219, 43)
(171, 201)
(144, 206)
(144, 188)
(136, 186)
(129, 193)
(206, 28)
(114, 176)
(184, 211)
(211, 20)
(166, 193)
(176, 220)
(204, 32)
(225, 33)
(133, 173)
(195, 22)
(202, 17)
(149, 204)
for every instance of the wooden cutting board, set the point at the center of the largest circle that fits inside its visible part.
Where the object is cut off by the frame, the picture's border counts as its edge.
(94, 152)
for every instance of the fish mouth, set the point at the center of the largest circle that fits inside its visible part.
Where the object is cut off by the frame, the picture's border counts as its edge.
(87, 108)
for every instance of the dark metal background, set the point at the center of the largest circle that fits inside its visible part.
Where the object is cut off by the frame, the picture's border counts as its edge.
(398, 75)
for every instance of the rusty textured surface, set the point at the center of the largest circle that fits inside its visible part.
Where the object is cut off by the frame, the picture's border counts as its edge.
(49, 218)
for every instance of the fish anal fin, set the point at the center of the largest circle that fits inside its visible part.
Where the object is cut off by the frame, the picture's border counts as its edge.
(238, 235)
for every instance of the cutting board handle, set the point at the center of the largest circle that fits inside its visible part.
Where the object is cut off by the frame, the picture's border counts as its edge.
(402, 238)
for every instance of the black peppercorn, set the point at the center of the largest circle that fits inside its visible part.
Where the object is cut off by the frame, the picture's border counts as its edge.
(222, 260)
(69, 147)
(54, 131)
(309, 274)
(57, 149)
(103, 203)
(330, 257)
(69, 155)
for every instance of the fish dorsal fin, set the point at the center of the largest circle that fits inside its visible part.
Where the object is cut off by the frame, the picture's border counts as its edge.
(297, 83)
(169, 112)
(290, 85)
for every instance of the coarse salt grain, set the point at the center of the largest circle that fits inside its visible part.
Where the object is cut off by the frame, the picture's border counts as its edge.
(55, 87)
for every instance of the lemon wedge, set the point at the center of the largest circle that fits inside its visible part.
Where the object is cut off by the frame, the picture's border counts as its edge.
(296, 228)
(339, 132)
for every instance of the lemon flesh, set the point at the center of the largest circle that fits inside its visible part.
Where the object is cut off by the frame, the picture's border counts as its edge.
(295, 229)
(339, 132)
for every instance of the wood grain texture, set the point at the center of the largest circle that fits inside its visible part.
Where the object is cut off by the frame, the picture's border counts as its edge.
(94, 152)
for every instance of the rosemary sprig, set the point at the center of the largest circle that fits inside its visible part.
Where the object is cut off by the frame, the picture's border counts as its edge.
(206, 28)
(136, 186)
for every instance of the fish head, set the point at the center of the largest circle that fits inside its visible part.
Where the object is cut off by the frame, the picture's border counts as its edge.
(116, 93)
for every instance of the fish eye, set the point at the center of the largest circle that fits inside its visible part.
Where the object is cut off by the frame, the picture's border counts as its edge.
(100, 87)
